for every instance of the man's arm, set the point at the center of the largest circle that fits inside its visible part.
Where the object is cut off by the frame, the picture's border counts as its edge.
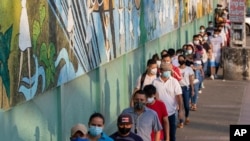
(180, 104)
(166, 128)
(157, 135)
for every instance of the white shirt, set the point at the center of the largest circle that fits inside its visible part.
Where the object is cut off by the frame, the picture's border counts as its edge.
(185, 73)
(147, 81)
(175, 61)
(167, 92)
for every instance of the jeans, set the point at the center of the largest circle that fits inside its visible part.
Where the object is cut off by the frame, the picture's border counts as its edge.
(205, 68)
(196, 88)
(186, 97)
(172, 127)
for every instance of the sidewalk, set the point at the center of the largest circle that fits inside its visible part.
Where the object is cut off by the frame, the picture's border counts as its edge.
(221, 103)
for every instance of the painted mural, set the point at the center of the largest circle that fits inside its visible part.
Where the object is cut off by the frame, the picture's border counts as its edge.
(45, 43)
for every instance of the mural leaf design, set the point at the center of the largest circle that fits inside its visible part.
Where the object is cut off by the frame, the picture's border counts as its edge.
(42, 13)
(46, 56)
(36, 33)
(5, 41)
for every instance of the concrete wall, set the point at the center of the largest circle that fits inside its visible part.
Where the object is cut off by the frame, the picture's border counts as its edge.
(236, 63)
(106, 89)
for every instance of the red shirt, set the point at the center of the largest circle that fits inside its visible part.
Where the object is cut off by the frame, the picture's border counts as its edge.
(161, 110)
(176, 73)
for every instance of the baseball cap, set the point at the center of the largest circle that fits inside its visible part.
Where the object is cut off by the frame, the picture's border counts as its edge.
(124, 118)
(166, 66)
(79, 127)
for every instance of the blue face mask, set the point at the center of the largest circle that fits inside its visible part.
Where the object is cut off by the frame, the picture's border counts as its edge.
(95, 130)
(166, 74)
(79, 139)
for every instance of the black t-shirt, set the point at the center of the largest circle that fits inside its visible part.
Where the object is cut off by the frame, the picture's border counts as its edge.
(130, 137)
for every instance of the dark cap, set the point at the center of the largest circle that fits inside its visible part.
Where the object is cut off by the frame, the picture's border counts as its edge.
(124, 118)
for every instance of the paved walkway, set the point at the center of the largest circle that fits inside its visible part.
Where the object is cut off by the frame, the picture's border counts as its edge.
(221, 103)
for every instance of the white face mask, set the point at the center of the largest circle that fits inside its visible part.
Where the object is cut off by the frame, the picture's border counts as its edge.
(153, 71)
(158, 63)
(210, 25)
(205, 38)
(215, 35)
(150, 99)
(196, 42)
(202, 30)
(189, 51)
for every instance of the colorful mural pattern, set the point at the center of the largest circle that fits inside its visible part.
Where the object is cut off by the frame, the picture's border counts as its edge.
(56, 41)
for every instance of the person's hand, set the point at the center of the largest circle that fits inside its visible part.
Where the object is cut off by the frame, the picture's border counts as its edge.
(192, 93)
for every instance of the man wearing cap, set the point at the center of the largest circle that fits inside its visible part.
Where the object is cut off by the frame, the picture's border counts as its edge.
(124, 124)
(79, 133)
(170, 92)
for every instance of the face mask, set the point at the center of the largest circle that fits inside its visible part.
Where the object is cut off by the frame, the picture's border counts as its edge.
(205, 38)
(166, 74)
(202, 30)
(151, 99)
(139, 105)
(210, 25)
(215, 35)
(79, 139)
(196, 42)
(189, 51)
(182, 62)
(95, 130)
(124, 131)
(158, 63)
(153, 71)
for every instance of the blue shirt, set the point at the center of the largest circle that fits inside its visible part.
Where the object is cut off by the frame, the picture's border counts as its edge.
(105, 137)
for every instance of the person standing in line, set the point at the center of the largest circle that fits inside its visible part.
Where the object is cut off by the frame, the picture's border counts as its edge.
(187, 87)
(96, 126)
(169, 91)
(145, 120)
(216, 42)
(161, 110)
(146, 78)
(79, 133)
(124, 124)
(175, 72)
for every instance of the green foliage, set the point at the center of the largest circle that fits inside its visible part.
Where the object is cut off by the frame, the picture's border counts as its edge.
(35, 34)
(47, 54)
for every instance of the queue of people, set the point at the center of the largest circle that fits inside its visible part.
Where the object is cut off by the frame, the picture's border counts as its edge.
(168, 90)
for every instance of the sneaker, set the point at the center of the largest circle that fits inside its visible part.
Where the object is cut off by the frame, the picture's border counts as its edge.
(180, 125)
(199, 91)
(212, 77)
(196, 81)
(202, 85)
(216, 76)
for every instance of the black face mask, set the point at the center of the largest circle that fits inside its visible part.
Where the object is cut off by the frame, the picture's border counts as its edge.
(182, 62)
(124, 130)
(139, 105)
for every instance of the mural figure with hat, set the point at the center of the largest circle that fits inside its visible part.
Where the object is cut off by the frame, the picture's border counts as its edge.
(124, 125)
(78, 133)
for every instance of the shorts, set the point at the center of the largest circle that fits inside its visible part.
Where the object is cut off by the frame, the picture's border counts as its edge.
(212, 63)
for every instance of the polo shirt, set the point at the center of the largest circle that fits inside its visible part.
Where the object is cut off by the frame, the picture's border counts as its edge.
(145, 123)
(167, 92)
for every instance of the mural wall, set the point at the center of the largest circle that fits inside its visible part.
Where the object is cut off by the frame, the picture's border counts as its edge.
(46, 43)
